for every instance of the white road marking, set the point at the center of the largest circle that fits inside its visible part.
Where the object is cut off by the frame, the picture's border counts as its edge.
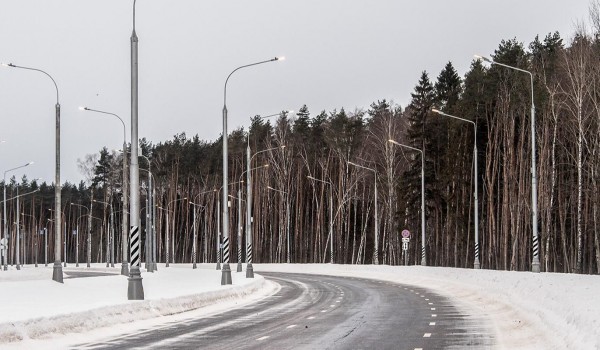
(433, 315)
(430, 303)
(427, 299)
(432, 323)
(291, 326)
(337, 301)
(311, 318)
(432, 309)
(332, 305)
(418, 348)
(427, 335)
(323, 310)
(422, 296)
(263, 338)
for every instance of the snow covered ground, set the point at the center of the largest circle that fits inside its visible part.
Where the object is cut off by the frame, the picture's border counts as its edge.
(525, 310)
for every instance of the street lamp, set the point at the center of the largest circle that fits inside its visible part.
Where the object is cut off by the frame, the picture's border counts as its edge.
(535, 264)
(423, 260)
(77, 236)
(239, 237)
(4, 214)
(150, 219)
(135, 288)
(476, 264)
(249, 268)
(110, 245)
(57, 274)
(330, 214)
(226, 275)
(287, 215)
(124, 267)
(167, 231)
(376, 249)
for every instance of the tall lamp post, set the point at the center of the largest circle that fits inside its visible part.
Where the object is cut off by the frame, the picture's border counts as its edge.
(135, 289)
(476, 264)
(57, 274)
(239, 236)
(376, 249)
(226, 271)
(77, 236)
(124, 267)
(249, 268)
(17, 223)
(423, 259)
(150, 237)
(330, 215)
(535, 264)
(4, 214)
(287, 219)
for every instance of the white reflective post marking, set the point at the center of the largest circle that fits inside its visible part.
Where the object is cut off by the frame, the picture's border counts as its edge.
(427, 335)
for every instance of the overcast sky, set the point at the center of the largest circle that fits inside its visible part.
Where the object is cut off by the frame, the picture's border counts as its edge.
(339, 53)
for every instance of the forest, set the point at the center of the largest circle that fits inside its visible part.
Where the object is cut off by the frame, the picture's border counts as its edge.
(292, 149)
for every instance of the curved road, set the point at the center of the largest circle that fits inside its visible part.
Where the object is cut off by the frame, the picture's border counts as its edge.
(322, 312)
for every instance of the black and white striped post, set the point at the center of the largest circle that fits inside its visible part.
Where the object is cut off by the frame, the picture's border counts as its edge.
(135, 289)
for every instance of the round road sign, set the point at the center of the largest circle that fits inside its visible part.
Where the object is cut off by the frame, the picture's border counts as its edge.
(405, 233)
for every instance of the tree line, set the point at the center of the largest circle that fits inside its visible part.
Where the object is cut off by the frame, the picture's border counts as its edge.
(567, 135)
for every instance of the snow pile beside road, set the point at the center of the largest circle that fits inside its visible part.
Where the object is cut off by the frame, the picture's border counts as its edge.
(36, 307)
(526, 310)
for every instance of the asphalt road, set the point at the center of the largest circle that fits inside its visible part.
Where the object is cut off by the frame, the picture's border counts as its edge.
(322, 312)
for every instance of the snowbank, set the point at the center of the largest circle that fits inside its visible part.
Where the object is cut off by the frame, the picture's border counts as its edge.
(35, 307)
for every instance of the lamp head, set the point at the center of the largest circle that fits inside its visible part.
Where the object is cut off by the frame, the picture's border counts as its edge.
(279, 58)
(479, 57)
(83, 108)
(436, 111)
(265, 166)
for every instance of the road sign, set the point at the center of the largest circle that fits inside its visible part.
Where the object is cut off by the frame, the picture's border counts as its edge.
(405, 240)
(405, 233)
(404, 245)
(3, 241)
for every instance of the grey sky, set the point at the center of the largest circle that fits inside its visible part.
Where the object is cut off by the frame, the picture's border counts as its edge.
(342, 53)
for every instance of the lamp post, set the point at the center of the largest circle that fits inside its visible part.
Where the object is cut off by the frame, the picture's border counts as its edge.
(57, 274)
(226, 272)
(287, 219)
(77, 236)
(150, 232)
(4, 202)
(376, 249)
(167, 230)
(57, 233)
(239, 237)
(135, 288)
(476, 263)
(194, 245)
(124, 263)
(249, 218)
(423, 259)
(249, 268)
(535, 264)
(4, 213)
(330, 215)
(110, 236)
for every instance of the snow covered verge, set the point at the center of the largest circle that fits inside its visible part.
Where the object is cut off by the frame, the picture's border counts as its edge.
(35, 307)
(525, 310)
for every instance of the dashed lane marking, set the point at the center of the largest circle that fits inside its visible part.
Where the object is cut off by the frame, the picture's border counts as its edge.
(427, 335)
(311, 318)
(432, 323)
(430, 303)
(433, 315)
(262, 338)
(291, 326)
(432, 309)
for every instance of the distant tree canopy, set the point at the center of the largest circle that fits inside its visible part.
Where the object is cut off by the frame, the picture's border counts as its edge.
(566, 93)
